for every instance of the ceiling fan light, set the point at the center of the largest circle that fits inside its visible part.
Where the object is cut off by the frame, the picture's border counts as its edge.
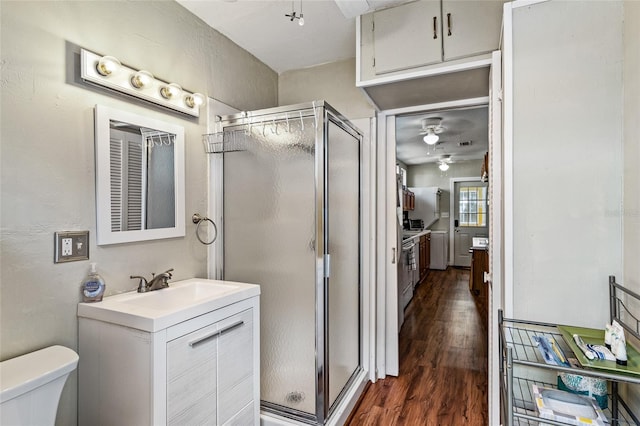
(431, 138)
(443, 166)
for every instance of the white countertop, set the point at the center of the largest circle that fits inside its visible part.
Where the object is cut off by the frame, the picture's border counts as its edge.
(412, 235)
(160, 309)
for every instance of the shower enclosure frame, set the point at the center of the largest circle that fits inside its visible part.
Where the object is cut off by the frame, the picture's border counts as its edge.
(323, 115)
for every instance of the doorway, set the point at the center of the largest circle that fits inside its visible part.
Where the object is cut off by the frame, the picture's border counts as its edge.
(470, 217)
(428, 165)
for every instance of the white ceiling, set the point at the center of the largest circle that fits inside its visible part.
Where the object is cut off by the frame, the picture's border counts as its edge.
(460, 125)
(261, 28)
(328, 35)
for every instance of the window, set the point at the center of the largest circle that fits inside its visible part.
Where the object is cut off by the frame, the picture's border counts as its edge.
(403, 173)
(473, 206)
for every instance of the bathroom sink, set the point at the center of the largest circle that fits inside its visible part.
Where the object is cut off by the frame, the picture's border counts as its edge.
(177, 296)
(157, 310)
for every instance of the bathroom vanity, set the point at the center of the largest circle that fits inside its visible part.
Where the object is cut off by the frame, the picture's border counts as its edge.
(188, 354)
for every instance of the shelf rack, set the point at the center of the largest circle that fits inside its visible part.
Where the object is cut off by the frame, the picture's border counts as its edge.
(522, 365)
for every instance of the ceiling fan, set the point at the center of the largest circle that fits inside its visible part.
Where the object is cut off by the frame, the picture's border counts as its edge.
(444, 162)
(431, 127)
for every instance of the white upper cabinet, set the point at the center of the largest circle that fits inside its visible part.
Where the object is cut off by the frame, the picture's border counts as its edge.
(425, 34)
(470, 27)
(407, 37)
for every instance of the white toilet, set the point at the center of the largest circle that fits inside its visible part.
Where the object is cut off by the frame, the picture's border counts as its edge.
(31, 384)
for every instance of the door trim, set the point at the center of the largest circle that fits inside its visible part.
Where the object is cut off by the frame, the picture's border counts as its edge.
(452, 188)
(387, 357)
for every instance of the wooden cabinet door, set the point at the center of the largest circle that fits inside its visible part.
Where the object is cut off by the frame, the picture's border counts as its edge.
(470, 28)
(192, 377)
(423, 249)
(428, 253)
(407, 36)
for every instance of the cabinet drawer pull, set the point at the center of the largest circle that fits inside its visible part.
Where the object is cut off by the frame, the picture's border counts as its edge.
(231, 326)
(435, 27)
(448, 24)
(214, 334)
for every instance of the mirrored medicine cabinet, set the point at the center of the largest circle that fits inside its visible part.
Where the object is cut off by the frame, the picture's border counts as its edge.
(140, 177)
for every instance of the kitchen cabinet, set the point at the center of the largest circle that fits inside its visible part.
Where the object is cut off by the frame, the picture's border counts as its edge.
(425, 255)
(417, 35)
(480, 265)
(409, 200)
(204, 370)
(484, 170)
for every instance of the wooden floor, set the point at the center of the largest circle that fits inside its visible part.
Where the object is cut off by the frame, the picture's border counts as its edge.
(443, 361)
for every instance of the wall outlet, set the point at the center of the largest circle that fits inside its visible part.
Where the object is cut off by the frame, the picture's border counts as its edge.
(70, 246)
(66, 247)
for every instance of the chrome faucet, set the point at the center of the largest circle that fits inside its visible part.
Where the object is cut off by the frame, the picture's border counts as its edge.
(157, 282)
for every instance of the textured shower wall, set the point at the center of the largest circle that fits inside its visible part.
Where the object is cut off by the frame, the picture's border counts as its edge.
(47, 151)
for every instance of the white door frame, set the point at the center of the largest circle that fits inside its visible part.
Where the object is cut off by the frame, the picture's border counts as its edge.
(387, 360)
(215, 110)
(496, 227)
(452, 199)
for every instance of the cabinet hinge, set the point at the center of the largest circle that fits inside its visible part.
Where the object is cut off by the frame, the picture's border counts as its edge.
(327, 265)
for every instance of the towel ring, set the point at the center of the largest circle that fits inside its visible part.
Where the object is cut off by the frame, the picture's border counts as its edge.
(197, 219)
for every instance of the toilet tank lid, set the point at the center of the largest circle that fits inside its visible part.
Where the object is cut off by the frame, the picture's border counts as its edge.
(26, 372)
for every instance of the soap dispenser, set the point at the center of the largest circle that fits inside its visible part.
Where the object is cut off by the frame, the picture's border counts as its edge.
(93, 286)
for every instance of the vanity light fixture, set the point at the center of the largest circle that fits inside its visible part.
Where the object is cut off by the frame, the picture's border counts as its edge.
(109, 73)
(141, 79)
(107, 64)
(170, 90)
(194, 100)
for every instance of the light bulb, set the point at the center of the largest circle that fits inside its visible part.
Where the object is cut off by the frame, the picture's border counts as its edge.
(141, 79)
(444, 167)
(107, 65)
(431, 138)
(301, 20)
(194, 100)
(170, 90)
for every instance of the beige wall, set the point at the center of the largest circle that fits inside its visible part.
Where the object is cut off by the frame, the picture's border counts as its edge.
(631, 217)
(47, 151)
(431, 175)
(334, 83)
(567, 235)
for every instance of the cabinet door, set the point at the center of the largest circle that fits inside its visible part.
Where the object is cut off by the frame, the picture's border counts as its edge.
(192, 380)
(407, 36)
(235, 366)
(470, 27)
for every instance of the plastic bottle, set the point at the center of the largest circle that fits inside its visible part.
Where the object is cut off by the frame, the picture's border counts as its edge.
(93, 286)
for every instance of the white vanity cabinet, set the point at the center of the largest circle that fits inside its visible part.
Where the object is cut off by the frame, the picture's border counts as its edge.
(415, 36)
(203, 370)
(210, 364)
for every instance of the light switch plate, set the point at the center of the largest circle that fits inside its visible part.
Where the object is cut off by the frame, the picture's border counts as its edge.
(70, 246)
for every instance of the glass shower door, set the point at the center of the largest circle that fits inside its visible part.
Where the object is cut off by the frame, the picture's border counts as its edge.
(342, 194)
(269, 239)
(292, 225)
